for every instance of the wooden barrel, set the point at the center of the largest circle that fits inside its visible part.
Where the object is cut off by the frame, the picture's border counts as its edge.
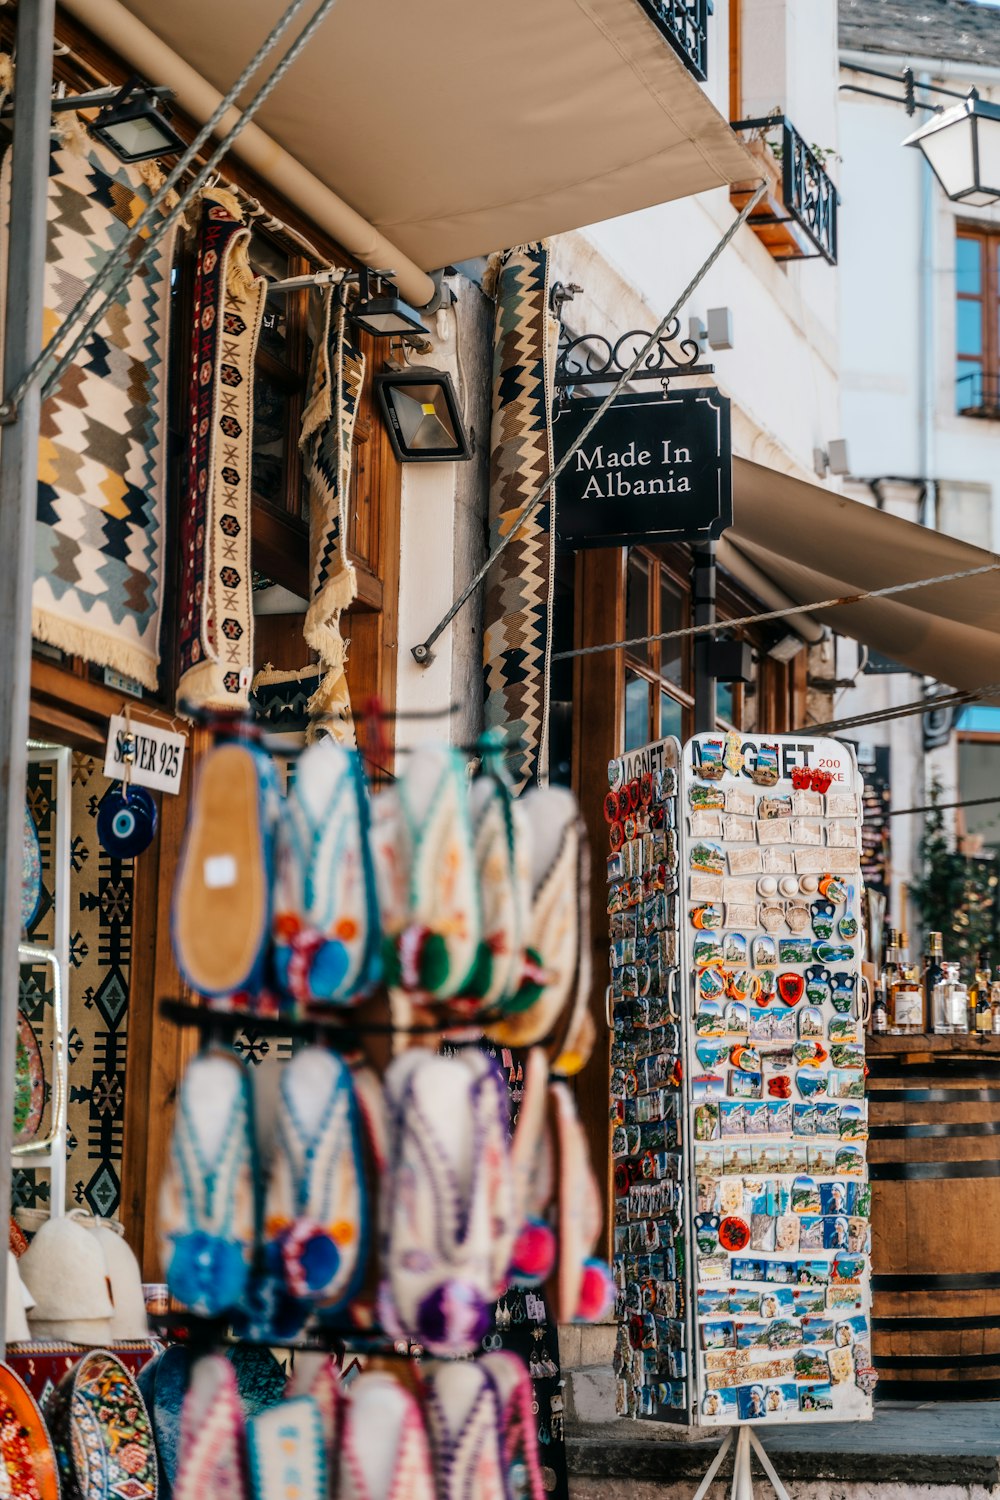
(934, 1155)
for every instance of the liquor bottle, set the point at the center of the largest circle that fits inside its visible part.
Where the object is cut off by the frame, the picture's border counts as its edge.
(907, 993)
(933, 974)
(889, 975)
(951, 1002)
(880, 1010)
(995, 1003)
(984, 1009)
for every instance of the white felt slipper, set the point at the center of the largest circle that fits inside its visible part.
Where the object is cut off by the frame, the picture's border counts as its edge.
(212, 1456)
(207, 1216)
(316, 1214)
(518, 1426)
(580, 1288)
(426, 868)
(503, 869)
(384, 1453)
(326, 932)
(446, 1198)
(287, 1451)
(557, 966)
(464, 1420)
(532, 1255)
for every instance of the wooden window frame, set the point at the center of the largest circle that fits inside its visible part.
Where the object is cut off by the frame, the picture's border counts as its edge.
(987, 237)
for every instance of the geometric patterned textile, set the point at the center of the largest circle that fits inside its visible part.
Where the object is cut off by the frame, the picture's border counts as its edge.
(99, 547)
(517, 606)
(216, 624)
(100, 958)
(335, 382)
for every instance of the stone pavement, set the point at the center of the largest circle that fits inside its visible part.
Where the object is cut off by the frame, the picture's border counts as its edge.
(941, 1449)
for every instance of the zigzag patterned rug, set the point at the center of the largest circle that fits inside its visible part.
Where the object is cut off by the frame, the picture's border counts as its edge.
(517, 619)
(100, 535)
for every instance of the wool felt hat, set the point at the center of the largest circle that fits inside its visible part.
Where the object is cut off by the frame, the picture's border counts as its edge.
(124, 1276)
(65, 1271)
(18, 1300)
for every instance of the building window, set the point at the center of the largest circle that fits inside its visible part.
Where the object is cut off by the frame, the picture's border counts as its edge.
(658, 685)
(977, 311)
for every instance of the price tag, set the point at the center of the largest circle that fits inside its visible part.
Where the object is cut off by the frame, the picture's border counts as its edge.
(159, 754)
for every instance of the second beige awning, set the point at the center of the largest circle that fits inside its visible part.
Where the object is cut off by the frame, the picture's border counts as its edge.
(815, 544)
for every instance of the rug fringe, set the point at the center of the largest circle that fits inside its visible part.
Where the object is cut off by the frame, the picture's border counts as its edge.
(94, 646)
(203, 684)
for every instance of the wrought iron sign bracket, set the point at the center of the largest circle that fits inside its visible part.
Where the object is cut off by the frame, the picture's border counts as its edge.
(593, 359)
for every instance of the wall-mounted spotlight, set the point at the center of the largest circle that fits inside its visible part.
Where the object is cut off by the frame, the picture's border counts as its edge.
(421, 412)
(132, 124)
(716, 331)
(832, 459)
(384, 316)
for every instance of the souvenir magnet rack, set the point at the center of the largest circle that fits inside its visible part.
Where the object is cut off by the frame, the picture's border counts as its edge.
(767, 891)
(49, 1153)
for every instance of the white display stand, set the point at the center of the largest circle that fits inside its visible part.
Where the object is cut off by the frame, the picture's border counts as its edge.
(747, 1443)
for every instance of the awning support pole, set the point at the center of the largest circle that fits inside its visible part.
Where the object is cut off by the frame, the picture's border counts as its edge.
(703, 609)
(18, 507)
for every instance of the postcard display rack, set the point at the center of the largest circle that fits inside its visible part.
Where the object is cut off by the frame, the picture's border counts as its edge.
(741, 1238)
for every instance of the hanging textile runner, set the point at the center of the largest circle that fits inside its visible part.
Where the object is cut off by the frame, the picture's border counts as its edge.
(517, 622)
(335, 383)
(216, 622)
(99, 545)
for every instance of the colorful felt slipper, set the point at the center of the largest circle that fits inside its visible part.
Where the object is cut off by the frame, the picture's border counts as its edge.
(212, 1458)
(428, 889)
(532, 1256)
(557, 966)
(518, 1425)
(503, 869)
(318, 1377)
(326, 924)
(222, 897)
(316, 1213)
(207, 1211)
(580, 1288)
(287, 1450)
(446, 1199)
(464, 1421)
(384, 1453)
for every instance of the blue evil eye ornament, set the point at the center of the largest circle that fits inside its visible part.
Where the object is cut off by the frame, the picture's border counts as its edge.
(126, 821)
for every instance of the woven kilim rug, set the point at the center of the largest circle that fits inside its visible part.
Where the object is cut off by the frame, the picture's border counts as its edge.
(100, 958)
(517, 608)
(216, 624)
(99, 558)
(335, 383)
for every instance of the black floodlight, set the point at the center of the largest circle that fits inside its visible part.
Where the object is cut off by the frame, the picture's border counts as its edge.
(385, 316)
(133, 126)
(421, 411)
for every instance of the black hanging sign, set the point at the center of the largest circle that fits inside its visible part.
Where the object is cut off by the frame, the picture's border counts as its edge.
(655, 469)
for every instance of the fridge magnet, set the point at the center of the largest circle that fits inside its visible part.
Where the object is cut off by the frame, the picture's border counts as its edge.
(810, 1021)
(811, 1082)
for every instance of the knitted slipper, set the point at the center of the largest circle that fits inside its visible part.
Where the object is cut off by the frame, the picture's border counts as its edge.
(446, 1198)
(212, 1459)
(533, 1254)
(316, 1213)
(207, 1210)
(163, 1383)
(503, 870)
(426, 869)
(287, 1449)
(580, 1288)
(321, 1381)
(518, 1432)
(557, 967)
(222, 897)
(326, 932)
(464, 1420)
(384, 1453)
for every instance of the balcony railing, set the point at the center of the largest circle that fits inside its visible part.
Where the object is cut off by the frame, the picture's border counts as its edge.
(977, 394)
(684, 24)
(797, 217)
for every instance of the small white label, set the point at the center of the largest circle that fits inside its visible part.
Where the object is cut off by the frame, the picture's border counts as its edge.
(121, 683)
(220, 872)
(159, 754)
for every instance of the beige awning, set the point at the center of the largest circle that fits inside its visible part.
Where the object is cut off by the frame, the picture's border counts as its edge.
(815, 544)
(453, 127)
